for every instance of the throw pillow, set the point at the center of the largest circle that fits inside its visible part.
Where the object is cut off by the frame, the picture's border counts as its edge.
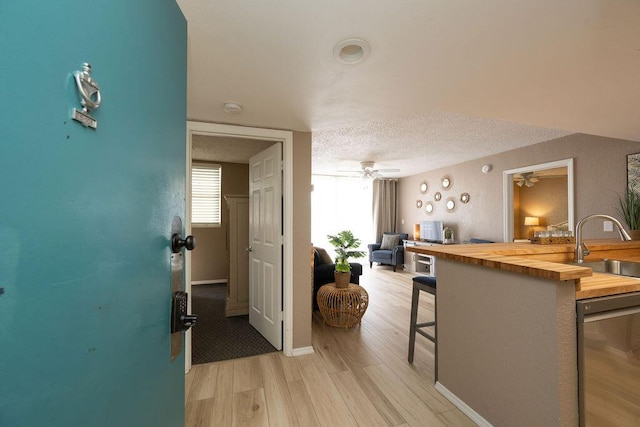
(389, 241)
(324, 256)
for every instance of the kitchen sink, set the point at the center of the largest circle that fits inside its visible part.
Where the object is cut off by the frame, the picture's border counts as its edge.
(614, 266)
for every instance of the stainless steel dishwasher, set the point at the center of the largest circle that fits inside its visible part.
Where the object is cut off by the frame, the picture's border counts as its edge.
(609, 360)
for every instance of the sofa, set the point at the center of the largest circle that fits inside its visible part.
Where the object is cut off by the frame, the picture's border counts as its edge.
(323, 268)
(390, 251)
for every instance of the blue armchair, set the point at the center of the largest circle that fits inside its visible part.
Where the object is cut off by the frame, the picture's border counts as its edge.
(388, 252)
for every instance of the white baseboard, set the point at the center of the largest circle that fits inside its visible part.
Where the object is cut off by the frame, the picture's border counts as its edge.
(466, 409)
(208, 282)
(301, 351)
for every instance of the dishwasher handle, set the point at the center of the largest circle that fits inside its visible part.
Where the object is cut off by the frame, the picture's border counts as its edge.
(611, 314)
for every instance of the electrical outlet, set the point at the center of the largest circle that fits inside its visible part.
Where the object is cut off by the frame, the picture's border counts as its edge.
(608, 226)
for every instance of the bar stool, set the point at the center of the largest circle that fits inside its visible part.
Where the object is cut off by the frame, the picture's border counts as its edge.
(426, 284)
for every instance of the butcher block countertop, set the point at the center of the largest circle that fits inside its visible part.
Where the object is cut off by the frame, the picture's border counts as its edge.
(545, 261)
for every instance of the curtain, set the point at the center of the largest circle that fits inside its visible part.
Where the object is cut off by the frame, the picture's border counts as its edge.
(385, 206)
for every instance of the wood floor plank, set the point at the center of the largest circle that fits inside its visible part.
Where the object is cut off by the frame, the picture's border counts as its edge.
(188, 382)
(280, 406)
(327, 349)
(199, 413)
(455, 418)
(204, 381)
(356, 399)
(356, 366)
(327, 402)
(222, 414)
(290, 368)
(250, 409)
(412, 408)
(247, 374)
(302, 403)
(413, 376)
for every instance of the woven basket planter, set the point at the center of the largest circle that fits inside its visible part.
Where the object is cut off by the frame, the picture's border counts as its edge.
(342, 308)
(342, 279)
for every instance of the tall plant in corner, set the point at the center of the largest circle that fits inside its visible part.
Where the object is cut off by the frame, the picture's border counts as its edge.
(630, 210)
(346, 246)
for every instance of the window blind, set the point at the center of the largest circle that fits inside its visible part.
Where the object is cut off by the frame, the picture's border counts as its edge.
(205, 194)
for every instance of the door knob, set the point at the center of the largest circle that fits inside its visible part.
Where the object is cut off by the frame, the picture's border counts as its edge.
(177, 242)
(248, 249)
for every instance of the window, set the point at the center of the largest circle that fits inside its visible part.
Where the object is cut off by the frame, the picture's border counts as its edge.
(206, 183)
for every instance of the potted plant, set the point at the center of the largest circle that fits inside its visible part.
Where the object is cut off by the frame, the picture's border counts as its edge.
(345, 245)
(448, 235)
(630, 211)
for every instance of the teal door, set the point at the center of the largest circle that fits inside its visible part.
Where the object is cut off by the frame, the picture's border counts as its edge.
(85, 215)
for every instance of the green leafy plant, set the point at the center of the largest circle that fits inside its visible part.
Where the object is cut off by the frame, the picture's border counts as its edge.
(345, 245)
(448, 233)
(630, 208)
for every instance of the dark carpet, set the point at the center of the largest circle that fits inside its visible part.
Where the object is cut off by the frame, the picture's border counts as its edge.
(216, 337)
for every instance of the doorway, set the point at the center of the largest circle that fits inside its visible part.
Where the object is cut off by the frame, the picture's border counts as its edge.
(285, 138)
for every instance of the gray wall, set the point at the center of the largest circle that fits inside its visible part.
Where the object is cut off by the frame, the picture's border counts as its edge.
(599, 169)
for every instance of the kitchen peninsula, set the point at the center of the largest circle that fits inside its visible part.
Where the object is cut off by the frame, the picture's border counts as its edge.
(506, 334)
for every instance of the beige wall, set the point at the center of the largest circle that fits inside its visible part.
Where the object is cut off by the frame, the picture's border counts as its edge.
(599, 169)
(301, 239)
(209, 261)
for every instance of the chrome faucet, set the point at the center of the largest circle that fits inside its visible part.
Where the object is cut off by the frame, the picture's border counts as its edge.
(581, 250)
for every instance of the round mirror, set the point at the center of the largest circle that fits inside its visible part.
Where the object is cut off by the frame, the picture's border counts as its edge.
(424, 187)
(437, 196)
(451, 204)
(428, 207)
(464, 197)
(446, 182)
(419, 204)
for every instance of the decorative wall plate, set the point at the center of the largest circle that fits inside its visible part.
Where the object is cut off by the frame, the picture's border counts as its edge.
(437, 196)
(418, 204)
(464, 197)
(424, 187)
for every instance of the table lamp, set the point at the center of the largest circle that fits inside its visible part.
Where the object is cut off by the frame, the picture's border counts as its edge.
(531, 221)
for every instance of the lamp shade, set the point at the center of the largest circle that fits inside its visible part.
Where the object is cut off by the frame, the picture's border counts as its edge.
(531, 220)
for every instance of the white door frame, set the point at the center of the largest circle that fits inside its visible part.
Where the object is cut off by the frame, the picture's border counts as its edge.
(286, 138)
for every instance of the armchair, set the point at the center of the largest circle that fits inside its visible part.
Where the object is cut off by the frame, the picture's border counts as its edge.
(390, 251)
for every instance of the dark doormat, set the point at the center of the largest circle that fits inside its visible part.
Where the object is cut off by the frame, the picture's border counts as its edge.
(216, 337)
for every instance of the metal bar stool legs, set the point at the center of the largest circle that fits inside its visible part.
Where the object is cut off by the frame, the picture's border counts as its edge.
(426, 284)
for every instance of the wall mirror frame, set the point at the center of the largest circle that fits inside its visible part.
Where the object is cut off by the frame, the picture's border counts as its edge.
(429, 208)
(507, 192)
(446, 182)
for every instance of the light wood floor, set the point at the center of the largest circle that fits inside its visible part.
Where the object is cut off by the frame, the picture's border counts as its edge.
(358, 377)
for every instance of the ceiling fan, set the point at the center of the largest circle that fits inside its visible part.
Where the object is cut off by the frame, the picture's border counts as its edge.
(368, 171)
(526, 178)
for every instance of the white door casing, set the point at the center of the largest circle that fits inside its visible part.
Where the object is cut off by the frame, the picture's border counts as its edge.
(286, 139)
(265, 237)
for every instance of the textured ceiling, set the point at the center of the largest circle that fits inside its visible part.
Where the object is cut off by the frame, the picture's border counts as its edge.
(446, 81)
(226, 149)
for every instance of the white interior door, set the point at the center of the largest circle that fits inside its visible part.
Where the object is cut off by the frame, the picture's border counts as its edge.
(265, 237)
